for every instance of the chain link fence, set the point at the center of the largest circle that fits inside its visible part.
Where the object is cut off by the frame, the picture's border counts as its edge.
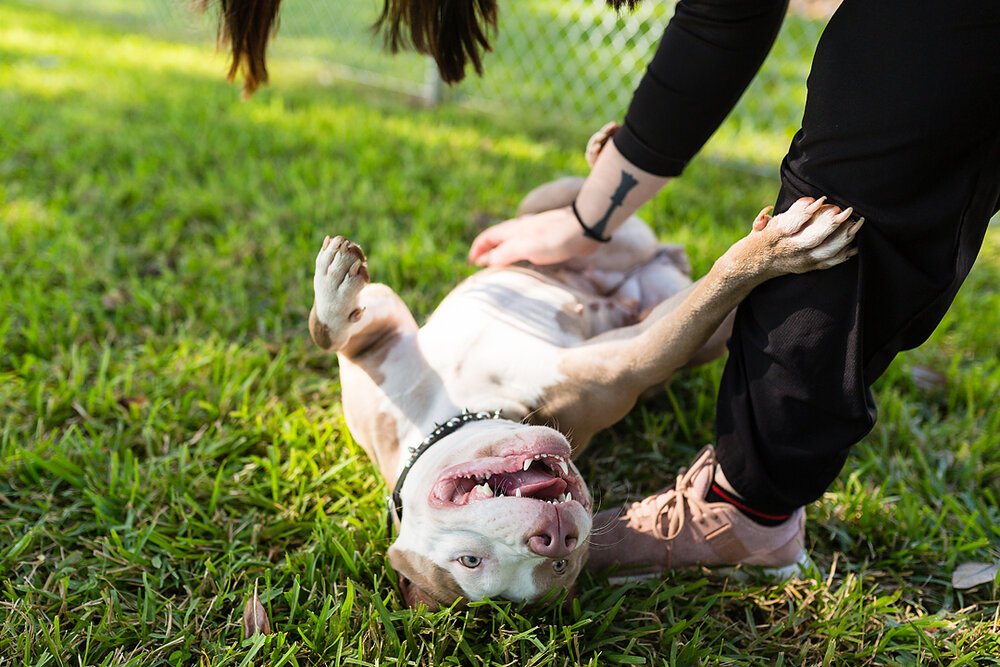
(572, 62)
(575, 61)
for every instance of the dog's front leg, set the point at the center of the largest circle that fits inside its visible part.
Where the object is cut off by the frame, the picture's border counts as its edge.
(608, 373)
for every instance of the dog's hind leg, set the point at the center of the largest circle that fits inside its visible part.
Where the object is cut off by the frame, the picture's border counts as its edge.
(350, 315)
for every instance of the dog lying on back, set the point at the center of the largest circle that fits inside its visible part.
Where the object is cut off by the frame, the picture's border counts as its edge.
(492, 505)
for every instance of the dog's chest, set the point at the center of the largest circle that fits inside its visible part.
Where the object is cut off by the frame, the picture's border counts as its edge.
(496, 336)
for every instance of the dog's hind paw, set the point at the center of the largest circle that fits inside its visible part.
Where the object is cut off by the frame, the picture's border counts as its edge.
(341, 274)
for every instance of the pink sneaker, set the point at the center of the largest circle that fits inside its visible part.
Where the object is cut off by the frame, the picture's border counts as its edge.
(678, 528)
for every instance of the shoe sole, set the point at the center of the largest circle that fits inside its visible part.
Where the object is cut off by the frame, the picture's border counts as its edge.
(802, 567)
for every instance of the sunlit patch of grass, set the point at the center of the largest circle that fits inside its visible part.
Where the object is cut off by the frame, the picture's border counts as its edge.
(168, 435)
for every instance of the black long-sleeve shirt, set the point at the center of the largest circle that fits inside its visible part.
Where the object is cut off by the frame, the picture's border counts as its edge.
(710, 51)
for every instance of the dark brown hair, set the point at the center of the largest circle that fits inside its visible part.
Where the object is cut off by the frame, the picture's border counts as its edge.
(246, 26)
(453, 32)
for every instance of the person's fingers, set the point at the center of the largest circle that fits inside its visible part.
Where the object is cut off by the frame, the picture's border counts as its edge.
(503, 254)
(487, 240)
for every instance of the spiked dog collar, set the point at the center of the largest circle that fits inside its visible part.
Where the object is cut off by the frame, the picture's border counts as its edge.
(395, 500)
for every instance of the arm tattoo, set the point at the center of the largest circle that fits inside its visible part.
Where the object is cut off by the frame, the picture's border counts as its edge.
(617, 199)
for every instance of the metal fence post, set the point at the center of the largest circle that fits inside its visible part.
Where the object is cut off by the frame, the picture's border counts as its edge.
(433, 84)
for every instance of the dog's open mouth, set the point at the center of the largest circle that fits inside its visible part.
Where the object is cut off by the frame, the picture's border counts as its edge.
(541, 477)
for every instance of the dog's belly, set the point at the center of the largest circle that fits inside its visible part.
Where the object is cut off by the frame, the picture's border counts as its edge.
(518, 300)
(557, 306)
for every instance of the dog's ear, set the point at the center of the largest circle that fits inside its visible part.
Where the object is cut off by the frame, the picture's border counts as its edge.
(414, 595)
(422, 581)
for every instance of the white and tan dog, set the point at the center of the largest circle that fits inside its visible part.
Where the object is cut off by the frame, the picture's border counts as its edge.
(496, 508)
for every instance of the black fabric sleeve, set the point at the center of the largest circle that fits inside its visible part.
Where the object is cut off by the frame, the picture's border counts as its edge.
(710, 51)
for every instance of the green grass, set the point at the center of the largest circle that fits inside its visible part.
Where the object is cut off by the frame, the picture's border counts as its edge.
(168, 435)
(563, 61)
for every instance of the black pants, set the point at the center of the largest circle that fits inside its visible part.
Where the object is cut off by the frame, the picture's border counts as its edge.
(902, 122)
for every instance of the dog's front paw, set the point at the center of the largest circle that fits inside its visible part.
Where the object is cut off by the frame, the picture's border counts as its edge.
(341, 274)
(599, 140)
(810, 235)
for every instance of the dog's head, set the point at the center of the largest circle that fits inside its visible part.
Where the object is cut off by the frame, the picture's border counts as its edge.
(495, 509)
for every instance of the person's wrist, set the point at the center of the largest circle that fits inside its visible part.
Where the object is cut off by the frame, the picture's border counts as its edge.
(592, 232)
(583, 246)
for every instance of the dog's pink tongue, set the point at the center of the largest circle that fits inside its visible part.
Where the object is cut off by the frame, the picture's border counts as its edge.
(532, 483)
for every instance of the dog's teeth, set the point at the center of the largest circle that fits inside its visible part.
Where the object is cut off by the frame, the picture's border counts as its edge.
(569, 496)
(485, 489)
(517, 492)
(564, 467)
(527, 464)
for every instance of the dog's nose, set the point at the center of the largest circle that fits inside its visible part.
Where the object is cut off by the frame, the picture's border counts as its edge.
(553, 543)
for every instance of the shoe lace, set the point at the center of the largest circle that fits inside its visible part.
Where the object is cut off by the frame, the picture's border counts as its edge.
(674, 502)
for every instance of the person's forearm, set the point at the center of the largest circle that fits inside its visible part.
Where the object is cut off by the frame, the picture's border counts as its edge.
(710, 51)
(613, 191)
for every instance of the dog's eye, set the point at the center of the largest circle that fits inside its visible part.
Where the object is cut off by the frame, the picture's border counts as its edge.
(470, 562)
(560, 565)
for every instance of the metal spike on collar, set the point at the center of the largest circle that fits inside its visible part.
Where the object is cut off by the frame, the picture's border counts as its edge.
(395, 500)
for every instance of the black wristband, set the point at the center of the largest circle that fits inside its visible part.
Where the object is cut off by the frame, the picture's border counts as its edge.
(588, 231)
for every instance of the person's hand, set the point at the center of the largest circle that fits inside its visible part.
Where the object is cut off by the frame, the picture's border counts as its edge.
(555, 236)
(549, 237)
